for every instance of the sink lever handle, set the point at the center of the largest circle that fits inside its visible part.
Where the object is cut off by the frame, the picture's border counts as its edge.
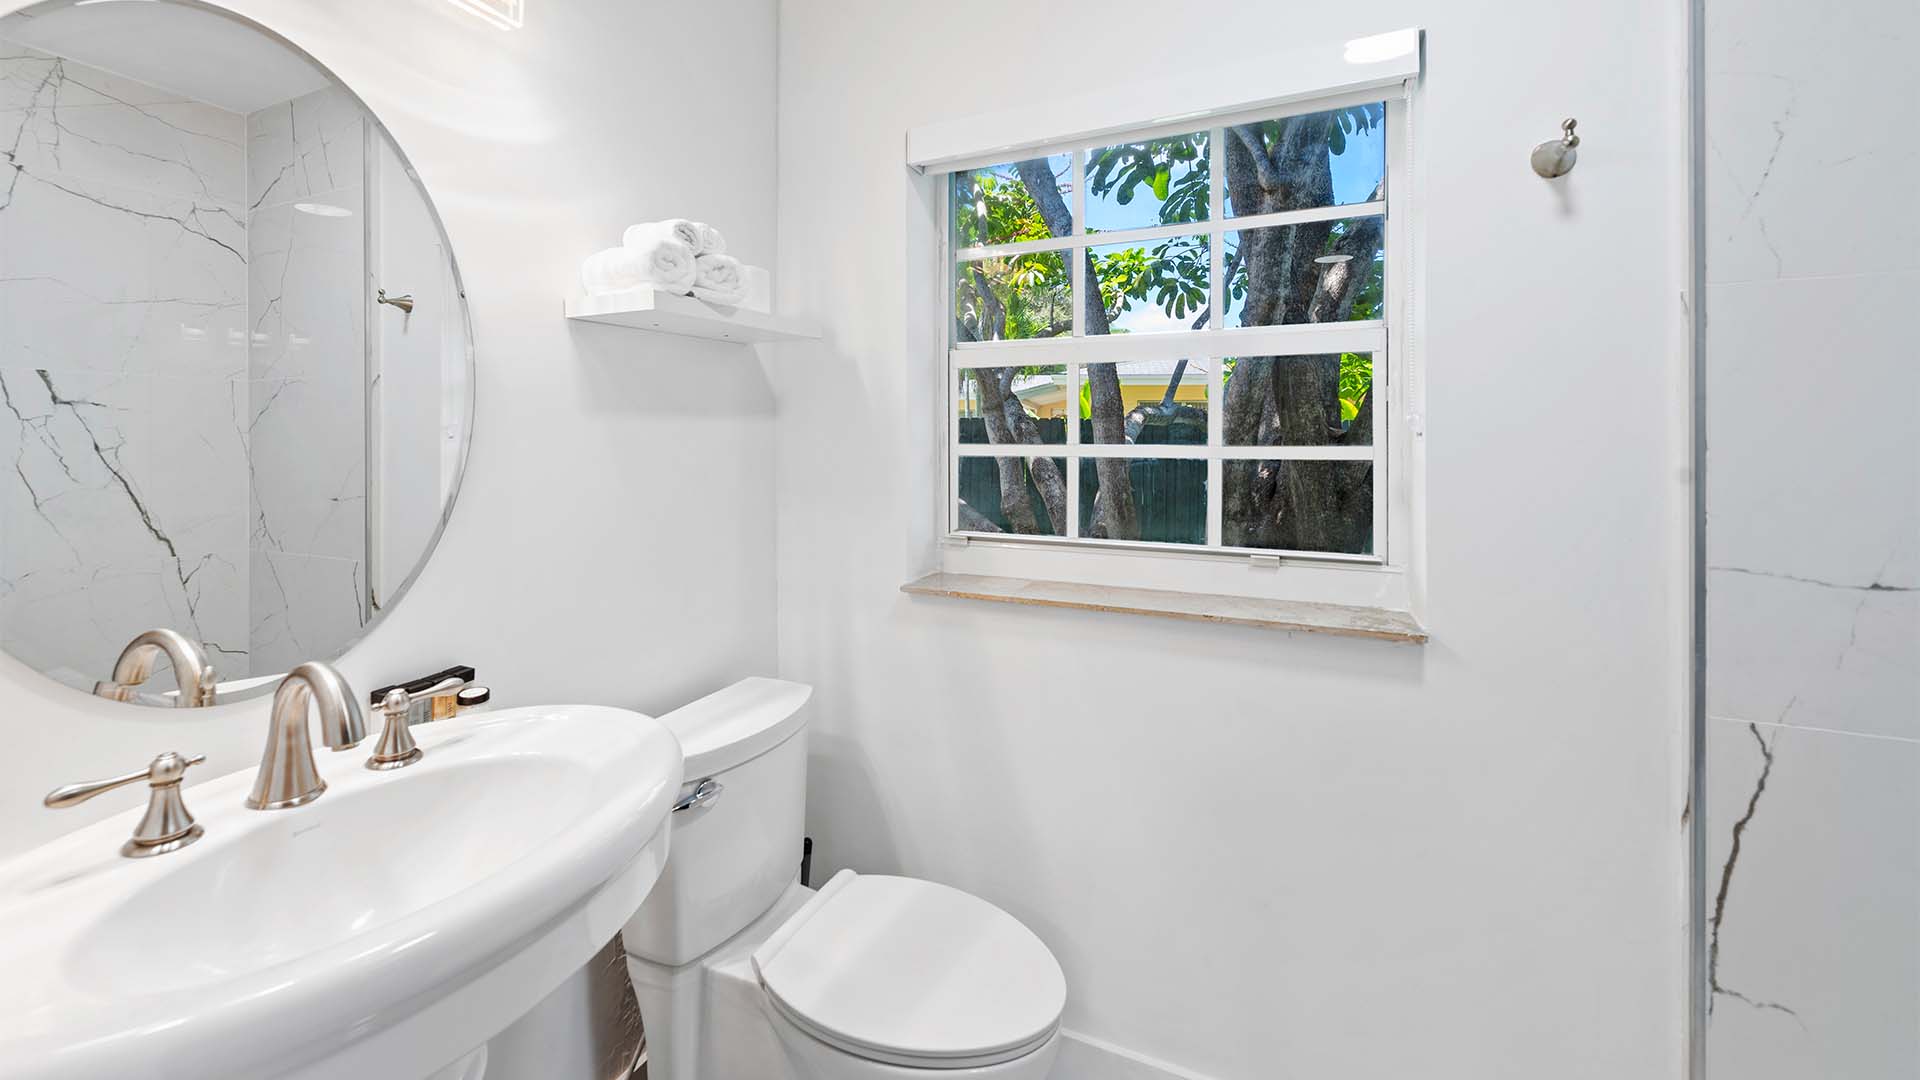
(167, 825)
(396, 748)
(698, 793)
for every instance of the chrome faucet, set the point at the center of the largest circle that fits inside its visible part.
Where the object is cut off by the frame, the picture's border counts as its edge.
(287, 776)
(191, 670)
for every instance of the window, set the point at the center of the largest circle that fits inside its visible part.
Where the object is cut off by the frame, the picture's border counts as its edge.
(1179, 341)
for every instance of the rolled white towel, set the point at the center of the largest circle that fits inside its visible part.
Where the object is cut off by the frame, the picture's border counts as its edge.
(703, 238)
(718, 279)
(645, 233)
(665, 264)
(611, 270)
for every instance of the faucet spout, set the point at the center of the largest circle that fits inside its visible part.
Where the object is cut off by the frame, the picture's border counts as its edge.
(191, 669)
(287, 776)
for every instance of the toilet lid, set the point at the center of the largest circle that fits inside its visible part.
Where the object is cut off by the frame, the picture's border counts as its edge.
(899, 969)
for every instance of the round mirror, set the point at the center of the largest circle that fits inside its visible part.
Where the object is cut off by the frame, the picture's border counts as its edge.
(235, 356)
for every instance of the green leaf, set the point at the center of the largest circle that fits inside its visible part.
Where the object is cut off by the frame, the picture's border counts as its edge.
(1349, 410)
(1161, 180)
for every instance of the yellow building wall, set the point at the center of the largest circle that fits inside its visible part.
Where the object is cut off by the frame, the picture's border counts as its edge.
(1053, 403)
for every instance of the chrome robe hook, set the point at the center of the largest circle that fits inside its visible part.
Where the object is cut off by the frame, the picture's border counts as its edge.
(1556, 157)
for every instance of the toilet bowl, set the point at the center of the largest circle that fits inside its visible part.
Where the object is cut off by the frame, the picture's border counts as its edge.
(744, 974)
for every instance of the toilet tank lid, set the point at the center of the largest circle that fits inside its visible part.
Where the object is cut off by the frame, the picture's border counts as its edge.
(733, 726)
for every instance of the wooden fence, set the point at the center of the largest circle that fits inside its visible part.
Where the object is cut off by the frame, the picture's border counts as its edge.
(1169, 495)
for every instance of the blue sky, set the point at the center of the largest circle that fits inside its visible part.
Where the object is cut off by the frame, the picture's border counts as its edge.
(1355, 174)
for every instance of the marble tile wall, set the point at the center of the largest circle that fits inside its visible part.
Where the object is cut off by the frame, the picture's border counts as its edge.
(123, 292)
(307, 377)
(1813, 538)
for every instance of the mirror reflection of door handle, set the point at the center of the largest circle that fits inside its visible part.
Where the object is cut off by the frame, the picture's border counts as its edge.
(404, 303)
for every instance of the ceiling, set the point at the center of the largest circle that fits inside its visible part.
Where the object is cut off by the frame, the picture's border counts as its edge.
(178, 47)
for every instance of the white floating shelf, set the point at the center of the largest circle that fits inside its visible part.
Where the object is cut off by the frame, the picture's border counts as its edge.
(646, 309)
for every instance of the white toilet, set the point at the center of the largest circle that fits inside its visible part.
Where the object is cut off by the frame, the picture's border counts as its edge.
(744, 974)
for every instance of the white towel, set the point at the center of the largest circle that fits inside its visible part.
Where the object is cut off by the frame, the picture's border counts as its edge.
(718, 279)
(703, 238)
(665, 264)
(647, 232)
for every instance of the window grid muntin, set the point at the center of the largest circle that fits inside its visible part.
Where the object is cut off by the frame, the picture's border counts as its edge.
(1077, 239)
(1299, 339)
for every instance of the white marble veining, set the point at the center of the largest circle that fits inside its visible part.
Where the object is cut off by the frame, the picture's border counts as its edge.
(303, 606)
(1815, 390)
(122, 307)
(304, 148)
(1805, 165)
(1813, 541)
(307, 378)
(1813, 654)
(306, 310)
(1813, 916)
(83, 123)
(310, 482)
(183, 362)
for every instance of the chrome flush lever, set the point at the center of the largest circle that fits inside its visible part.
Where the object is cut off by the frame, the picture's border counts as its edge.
(404, 303)
(167, 825)
(698, 793)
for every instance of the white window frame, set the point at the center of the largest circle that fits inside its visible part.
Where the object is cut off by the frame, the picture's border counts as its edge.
(1382, 579)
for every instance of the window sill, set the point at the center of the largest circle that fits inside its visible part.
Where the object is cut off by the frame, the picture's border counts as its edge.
(1382, 624)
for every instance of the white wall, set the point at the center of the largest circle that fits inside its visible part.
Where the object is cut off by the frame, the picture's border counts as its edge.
(1813, 541)
(1261, 855)
(612, 539)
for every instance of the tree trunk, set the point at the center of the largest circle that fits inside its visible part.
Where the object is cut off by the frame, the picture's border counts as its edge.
(972, 520)
(1007, 422)
(1114, 515)
(1295, 400)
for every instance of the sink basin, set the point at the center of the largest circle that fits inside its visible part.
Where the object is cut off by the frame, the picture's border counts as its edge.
(384, 930)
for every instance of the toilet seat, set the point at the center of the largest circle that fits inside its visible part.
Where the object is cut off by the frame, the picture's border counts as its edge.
(912, 973)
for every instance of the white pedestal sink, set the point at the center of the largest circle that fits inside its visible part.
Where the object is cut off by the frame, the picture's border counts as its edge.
(382, 931)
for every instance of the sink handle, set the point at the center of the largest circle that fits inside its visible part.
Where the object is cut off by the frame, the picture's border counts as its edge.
(166, 826)
(396, 748)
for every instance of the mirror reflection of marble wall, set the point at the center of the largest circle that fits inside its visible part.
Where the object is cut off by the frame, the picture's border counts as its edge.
(191, 390)
(306, 318)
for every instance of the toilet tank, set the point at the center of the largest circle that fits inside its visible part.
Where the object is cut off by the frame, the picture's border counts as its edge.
(730, 859)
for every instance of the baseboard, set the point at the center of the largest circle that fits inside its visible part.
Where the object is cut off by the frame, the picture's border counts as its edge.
(1083, 1057)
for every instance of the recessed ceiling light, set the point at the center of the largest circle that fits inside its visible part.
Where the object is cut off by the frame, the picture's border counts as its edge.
(1333, 260)
(320, 209)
